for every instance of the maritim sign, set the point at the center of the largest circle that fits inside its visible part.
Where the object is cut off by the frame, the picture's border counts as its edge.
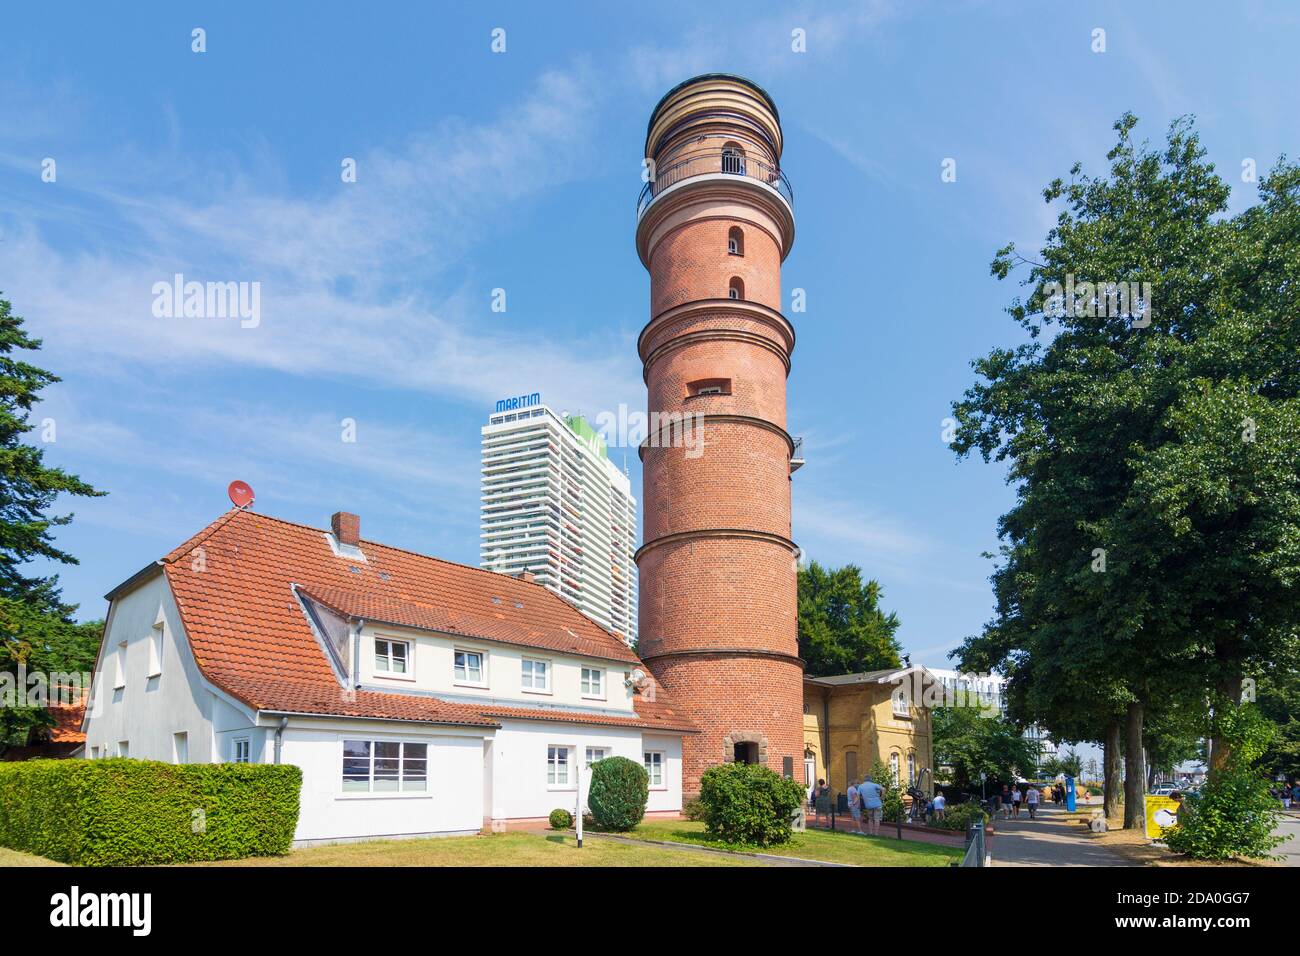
(519, 401)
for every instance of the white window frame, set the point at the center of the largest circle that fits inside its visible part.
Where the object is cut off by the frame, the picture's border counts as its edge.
(467, 681)
(524, 675)
(124, 748)
(178, 739)
(658, 763)
(247, 746)
(553, 765)
(119, 665)
(155, 650)
(900, 699)
(388, 673)
(583, 680)
(401, 793)
(603, 751)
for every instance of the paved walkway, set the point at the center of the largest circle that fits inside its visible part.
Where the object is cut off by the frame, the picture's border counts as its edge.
(1048, 841)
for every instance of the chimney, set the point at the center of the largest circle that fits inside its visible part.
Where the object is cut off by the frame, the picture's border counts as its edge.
(346, 527)
(527, 576)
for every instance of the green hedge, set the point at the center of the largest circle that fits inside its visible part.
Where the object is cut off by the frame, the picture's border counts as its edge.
(748, 804)
(123, 812)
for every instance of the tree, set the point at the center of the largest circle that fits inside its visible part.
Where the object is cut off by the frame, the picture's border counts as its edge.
(36, 628)
(1154, 546)
(841, 627)
(974, 744)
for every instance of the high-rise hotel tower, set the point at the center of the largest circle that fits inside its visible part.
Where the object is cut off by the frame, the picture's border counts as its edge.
(718, 623)
(555, 506)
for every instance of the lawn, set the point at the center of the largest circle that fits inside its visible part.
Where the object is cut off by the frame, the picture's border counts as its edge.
(827, 846)
(502, 849)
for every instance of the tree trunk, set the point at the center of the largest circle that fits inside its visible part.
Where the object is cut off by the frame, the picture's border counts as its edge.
(1220, 751)
(1113, 750)
(1134, 773)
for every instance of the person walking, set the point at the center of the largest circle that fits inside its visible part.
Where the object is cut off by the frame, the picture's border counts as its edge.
(1031, 800)
(855, 806)
(1004, 802)
(939, 805)
(873, 806)
(1287, 796)
(1015, 801)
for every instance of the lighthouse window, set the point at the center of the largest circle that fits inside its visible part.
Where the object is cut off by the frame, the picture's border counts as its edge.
(733, 159)
(709, 386)
(735, 288)
(736, 241)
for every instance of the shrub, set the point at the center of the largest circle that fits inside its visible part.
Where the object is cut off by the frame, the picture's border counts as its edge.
(561, 819)
(693, 810)
(891, 797)
(959, 817)
(748, 804)
(122, 812)
(618, 794)
(1234, 814)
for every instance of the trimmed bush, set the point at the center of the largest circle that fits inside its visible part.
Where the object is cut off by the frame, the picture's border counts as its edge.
(748, 804)
(959, 817)
(561, 819)
(693, 810)
(123, 812)
(618, 794)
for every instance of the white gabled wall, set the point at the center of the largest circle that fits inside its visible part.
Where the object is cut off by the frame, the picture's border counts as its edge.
(148, 710)
(519, 750)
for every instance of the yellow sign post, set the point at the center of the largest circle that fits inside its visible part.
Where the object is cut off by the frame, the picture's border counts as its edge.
(1161, 814)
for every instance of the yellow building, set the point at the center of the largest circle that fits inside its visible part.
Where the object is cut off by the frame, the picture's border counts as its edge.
(852, 720)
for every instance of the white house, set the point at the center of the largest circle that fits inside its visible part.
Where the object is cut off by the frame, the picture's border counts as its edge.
(418, 696)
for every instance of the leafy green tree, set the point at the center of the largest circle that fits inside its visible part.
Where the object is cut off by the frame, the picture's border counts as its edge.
(841, 627)
(1154, 546)
(36, 627)
(973, 742)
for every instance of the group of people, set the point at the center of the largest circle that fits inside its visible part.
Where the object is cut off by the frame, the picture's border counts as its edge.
(1289, 794)
(1012, 798)
(866, 800)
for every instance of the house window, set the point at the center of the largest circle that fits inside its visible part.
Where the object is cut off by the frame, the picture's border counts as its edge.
(900, 704)
(736, 288)
(593, 682)
(654, 767)
(469, 667)
(94, 753)
(911, 769)
(119, 667)
(735, 241)
(557, 766)
(392, 656)
(893, 767)
(385, 766)
(123, 748)
(241, 750)
(155, 650)
(181, 748)
(537, 676)
(850, 768)
(596, 753)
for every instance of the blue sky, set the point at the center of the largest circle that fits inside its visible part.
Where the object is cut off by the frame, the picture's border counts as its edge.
(520, 171)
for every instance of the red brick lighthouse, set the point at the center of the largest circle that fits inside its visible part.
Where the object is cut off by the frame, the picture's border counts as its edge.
(717, 569)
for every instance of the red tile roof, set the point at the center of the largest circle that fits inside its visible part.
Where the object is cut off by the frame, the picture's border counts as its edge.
(234, 585)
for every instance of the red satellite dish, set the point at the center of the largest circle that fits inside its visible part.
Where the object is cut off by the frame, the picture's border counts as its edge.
(240, 493)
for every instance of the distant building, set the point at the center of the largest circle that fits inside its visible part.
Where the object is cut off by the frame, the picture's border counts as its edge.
(853, 720)
(989, 688)
(553, 504)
